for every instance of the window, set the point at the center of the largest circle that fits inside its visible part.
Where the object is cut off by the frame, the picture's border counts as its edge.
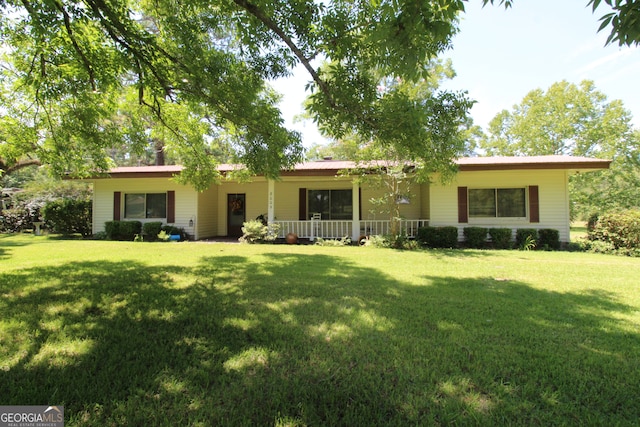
(497, 202)
(150, 205)
(331, 204)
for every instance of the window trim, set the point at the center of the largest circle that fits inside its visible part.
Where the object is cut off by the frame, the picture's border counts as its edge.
(526, 207)
(309, 212)
(145, 212)
(531, 205)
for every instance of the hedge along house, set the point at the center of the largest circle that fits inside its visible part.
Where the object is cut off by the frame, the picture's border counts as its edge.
(316, 200)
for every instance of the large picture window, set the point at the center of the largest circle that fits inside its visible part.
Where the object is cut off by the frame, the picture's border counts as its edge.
(331, 204)
(149, 205)
(497, 202)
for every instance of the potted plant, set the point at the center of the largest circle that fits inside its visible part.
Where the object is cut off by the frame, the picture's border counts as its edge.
(291, 238)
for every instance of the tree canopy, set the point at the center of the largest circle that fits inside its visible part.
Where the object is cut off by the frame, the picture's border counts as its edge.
(66, 63)
(67, 66)
(576, 120)
(442, 124)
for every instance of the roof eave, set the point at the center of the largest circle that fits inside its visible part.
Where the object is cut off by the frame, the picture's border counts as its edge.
(572, 166)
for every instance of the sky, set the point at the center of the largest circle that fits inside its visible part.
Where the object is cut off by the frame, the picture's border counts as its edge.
(500, 55)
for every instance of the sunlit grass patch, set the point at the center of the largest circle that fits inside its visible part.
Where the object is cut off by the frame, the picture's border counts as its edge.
(218, 334)
(331, 332)
(250, 360)
(466, 393)
(62, 354)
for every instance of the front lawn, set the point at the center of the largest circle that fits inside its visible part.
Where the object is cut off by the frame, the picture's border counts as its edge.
(227, 334)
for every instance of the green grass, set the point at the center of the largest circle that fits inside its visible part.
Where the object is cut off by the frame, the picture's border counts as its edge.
(226, 334)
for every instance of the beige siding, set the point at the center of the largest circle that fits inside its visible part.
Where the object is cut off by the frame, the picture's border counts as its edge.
(553, 198)
(285, 200)
(425, 194)
(256, 196)
(103, 199)
(370, 211)
(207, 217)
(102, 204)
(287, 193)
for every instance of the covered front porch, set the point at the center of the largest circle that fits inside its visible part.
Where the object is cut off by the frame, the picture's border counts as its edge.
(352, 217)
(355, 229)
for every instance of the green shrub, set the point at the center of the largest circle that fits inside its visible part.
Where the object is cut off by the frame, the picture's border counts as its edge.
(411, 245)
(24, 211)
(475, 237)
(579, 246)
(122, 230)
(14, 220)
(427, 236)
(549, 238)
(345, 241)
(255, 231)
(402, 241)
(621, 229)
(376, 241)
(129, 229)
(526, 238)
(393, 242)
(100, 235)
(112, 230)
(447, 237)
(600, 247)
(438, 237)
(68, 216)
(26, 206)
(501, 238)
(150, 230)
(591, 221)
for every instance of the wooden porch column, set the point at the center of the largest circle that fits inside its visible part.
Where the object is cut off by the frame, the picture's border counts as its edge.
(270, 202)
(355, 203)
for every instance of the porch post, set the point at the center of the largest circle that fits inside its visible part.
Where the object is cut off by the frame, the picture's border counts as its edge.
(270, 208)
(355, 203)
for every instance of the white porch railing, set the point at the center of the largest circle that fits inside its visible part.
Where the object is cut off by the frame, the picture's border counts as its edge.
(381, 227)
(312, 229)
(327, 229)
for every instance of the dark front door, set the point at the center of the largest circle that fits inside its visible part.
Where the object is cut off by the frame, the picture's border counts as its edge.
(235, 214)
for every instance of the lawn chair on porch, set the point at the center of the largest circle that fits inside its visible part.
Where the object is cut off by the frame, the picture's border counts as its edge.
(316, 217)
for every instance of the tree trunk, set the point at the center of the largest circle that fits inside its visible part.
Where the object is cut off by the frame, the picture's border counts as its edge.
(158, 146)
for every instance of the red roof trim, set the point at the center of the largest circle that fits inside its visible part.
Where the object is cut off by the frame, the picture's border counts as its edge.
(332, 167)
(603, 164)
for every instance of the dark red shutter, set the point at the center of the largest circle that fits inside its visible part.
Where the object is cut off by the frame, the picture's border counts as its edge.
(463, 208)
(117, 197)
(171, 207)
(359, 203)
(534, 204)
(302, 204)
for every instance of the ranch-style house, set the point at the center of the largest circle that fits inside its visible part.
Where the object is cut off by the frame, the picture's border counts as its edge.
(316, 200)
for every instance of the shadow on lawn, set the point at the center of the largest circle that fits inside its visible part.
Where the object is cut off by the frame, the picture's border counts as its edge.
(308, 340)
